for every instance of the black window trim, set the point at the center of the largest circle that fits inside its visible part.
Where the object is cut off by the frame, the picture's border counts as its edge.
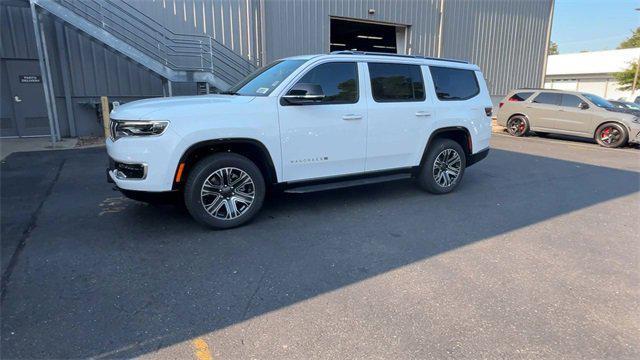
(309, 69)
(424, 83)
(475, 78)
(533, 100)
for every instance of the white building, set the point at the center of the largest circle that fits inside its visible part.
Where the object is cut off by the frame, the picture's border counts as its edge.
(590, 72)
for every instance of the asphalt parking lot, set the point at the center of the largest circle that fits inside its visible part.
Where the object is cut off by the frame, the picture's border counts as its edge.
(535, 256)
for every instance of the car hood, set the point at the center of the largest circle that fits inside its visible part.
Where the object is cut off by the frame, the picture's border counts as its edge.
(625, 111)
(161, 108)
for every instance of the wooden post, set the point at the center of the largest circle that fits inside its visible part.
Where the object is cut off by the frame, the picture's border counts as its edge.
(104, 103)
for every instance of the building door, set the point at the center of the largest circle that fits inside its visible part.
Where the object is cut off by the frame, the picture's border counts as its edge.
(27, 96)
(366, 36)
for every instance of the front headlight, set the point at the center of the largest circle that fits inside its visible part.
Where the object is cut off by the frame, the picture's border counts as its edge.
(123, 128)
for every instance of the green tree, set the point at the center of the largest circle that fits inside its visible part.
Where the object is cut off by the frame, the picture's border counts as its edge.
(625, 77)
(633, 41)
(553, 48)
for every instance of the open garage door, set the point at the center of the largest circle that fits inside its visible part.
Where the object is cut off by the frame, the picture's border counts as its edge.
(365, 36)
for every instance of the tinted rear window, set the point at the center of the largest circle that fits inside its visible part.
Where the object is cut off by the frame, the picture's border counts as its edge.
(396, 82)
(548, 98)
(521, 96)
(454, 84)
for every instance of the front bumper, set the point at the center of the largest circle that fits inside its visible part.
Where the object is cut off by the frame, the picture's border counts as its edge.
(153, 156)
(634, 134)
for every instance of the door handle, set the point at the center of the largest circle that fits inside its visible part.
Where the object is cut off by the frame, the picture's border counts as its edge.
(17, 99)
(352, 117)
(423, 113)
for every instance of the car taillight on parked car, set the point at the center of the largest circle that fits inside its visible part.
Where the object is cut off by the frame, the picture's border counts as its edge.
(500, 105)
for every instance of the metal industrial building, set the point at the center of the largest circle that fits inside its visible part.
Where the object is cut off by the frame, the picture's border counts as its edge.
(58, 57)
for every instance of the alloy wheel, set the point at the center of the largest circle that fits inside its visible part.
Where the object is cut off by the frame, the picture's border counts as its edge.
(447, 167)
(516, 126)
(610, 135)
(227, 193)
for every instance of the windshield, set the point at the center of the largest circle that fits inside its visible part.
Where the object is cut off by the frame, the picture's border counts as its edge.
(632, 106)
(600, 102)
(264, 80)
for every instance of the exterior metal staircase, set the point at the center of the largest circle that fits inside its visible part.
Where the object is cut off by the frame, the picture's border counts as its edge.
(173, 56)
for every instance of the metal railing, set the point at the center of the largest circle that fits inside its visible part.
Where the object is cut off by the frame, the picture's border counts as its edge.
(182, 52)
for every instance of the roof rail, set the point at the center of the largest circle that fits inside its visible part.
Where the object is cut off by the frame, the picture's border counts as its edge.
(356, 52)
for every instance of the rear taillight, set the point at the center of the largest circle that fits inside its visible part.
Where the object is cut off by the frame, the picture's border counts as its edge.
(500, 105)
(488, 111)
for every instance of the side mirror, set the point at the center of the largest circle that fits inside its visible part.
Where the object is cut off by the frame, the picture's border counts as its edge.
(301, 94)
(583, 105)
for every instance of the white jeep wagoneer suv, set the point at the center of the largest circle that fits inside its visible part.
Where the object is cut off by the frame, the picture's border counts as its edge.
(302, 124)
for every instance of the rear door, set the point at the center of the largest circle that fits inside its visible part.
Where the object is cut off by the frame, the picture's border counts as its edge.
(542, 111)
(398, 112)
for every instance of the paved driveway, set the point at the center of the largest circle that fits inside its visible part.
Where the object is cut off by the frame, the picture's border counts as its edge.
(535, 256)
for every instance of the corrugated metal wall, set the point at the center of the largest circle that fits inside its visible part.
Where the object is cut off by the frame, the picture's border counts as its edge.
(295, 27)
(236, 24)
(507, 39)
(93, 69)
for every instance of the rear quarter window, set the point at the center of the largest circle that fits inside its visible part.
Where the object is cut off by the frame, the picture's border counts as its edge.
(521, 96)
(453, 84)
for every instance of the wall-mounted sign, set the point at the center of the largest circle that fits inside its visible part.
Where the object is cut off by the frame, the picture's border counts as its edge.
(30, 78)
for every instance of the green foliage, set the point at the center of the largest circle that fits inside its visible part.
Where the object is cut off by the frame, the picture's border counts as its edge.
(553, 48)
(633, 41)
(625, 78)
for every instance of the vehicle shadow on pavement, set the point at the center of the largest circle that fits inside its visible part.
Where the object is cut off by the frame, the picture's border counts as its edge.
(103, 276)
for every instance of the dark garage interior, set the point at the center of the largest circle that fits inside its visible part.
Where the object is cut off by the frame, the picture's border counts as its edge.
(363, 36)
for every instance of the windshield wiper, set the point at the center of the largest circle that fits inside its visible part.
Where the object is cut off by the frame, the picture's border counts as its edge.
(229, 93)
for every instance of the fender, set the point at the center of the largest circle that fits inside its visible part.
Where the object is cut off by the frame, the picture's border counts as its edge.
(251, 148)
(468, 147)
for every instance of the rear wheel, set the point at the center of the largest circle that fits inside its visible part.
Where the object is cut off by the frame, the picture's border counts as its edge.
(224, 191)
(443, 168)
(611, 135)
(518, 126)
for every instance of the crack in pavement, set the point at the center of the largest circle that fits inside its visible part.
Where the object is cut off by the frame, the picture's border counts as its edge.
(6, 275)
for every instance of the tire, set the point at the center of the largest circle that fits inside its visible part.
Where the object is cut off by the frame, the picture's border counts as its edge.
(233, 195)
(432, 177)
(517, 125)
(611, 135)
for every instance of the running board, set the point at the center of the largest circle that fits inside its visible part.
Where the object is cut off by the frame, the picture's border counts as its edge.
(303, 189)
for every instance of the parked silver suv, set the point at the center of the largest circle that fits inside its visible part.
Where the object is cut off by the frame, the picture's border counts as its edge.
(570, 113)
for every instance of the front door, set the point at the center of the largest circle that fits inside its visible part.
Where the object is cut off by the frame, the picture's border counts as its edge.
(572, 118)
(27, 96)
(328, 137)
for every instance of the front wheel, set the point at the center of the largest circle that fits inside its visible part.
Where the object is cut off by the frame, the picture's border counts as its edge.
(611, 135)
(443, 168)
(224, 191)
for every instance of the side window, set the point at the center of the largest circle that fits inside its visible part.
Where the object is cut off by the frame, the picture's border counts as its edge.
(521, 96)
(570, 101)
(338, 80)
(454, 84)
(396, 82)
(548, 98)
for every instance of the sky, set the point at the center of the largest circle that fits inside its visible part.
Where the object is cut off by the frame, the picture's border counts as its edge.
(591, 25)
